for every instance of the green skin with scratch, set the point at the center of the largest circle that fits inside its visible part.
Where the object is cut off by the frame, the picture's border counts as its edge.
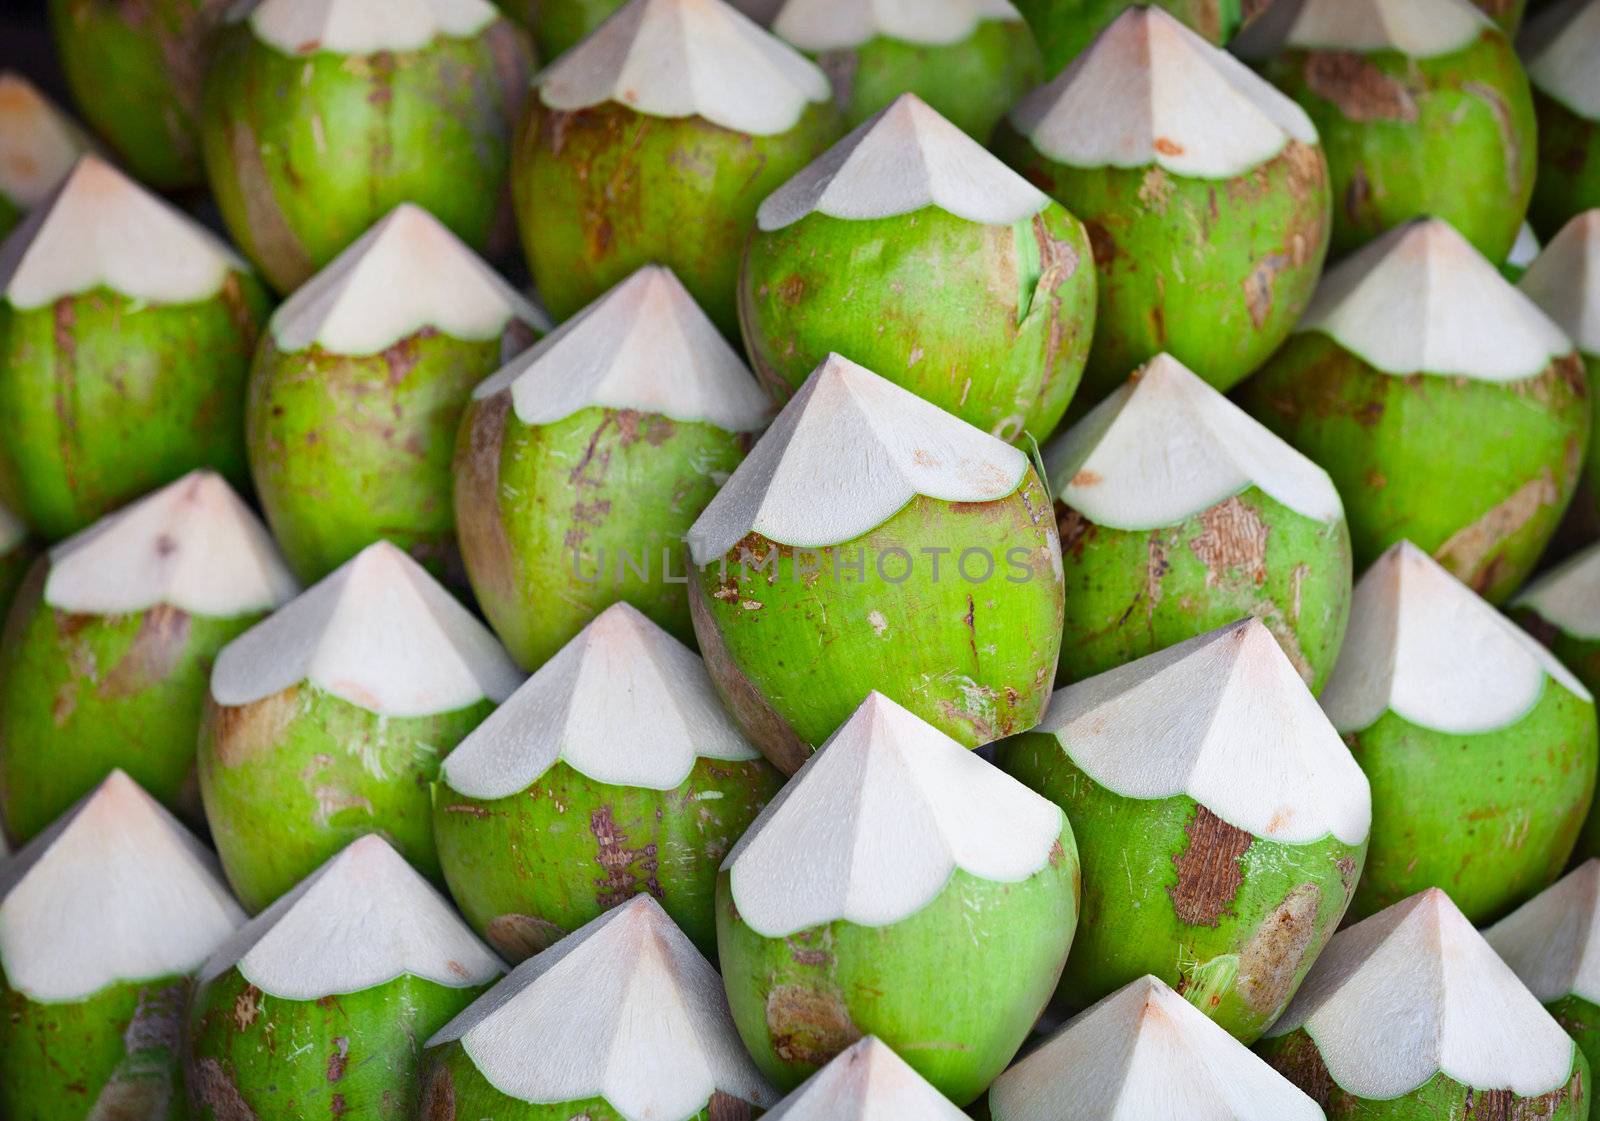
(995, 948)
(990, 323)
(1231, 921)
(305, 153)
(1066, 27)
(1569, 166)
(795, 639)
(528, 869)
(107, 398)
(1451, 137)
(1407, 454)
(1133, 592)
(349, 1056)
(559, 521)
(290, 780)
(601, 192)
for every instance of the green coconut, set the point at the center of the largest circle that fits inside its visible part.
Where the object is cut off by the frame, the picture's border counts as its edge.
(126, 332)
(1410, 1015)
(901, 887)
(358, 389)
(866, 1081)
(1066, 27)
(1423, 109)
(320, 117)
(1226, 521)
(106, 656)
(645, 144)
(1208, 226)
(103, 920)
(1561, 608)
(319, 1007)
(1558, 49)
(887, 249)
(1448, 409)
(16, 557)
(328, 721)
(38, 146)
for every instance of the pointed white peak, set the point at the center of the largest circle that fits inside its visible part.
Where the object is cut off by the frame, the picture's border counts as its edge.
(1559, 46)
(905, 158)
(644, 345)
(1417, 28)
(866, 1082)
(1415, 991)
(1525, 250)
(687, 58)
(833, 25)
(623, 1009)
(192, 545)
(1166, 446)
(1421, 299)
(849, 450)
(115, 890)
(12, 531)
(1568, 595)
(38, 142)
(1564, 280)
(101, 229)
(362, 27)
(1552, 942)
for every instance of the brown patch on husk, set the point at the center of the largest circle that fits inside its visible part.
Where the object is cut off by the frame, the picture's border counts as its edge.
(481, 533)
(1359, 90)
(1271, 960)
(726, 1107)
(1469, 553)
(621, 882)
(239, 734)
(1508, 130)
(1210, 872)
(1298, 1060)
(211, 1087)
(1074, 529)
(808, 1026)
(141, 1087)
(1234, 537)
(155, 652)
(438, 1095)
(277, 246)
(519, 937)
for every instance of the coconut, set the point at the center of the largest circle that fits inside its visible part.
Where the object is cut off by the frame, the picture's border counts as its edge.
(619, 746)
(1562, 610)
(1204, 191)
(38, 146)
(887, 249)
(581, 465)
(874, 542)
(653, 141)
(16, 555)
(1179, 514)
(1413, 354)
(126, 331)
(105, 659)
(1559, 48)
(1523, 254)
(329, 720)
(1066, 27)
(357, 966)
(866, 1081)
(628, 1022)
(1410, 1014)
(320, 116)
(358, 389)
(104, 917)
(1471, 734)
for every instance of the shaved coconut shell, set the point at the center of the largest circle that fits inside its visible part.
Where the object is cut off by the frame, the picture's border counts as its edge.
(866, 1082)
(1550, 942)
(364, 27)
(1559, 47)
(12, 531)
(38, 142)
(1415, 28)
(1524, 251)
(1564, 280)
(1568, 595)
(832, 25)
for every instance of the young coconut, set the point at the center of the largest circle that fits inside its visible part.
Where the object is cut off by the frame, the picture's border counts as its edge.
(358, 388)
(894, 857)
(1066, 27)
(103, 919)
(866, 1081)
(16, 557)
(126, 331)
(887, 249)
(321, 116)
(1410, 1014)
(357, 966)
(1423, 110)
(38, 146)
(1204, 190)
(1558, 49)
(654, 140)
(1413, 354)
(613, 771)
(1179, 514)
(1561, 608)
(105, 660)
(581, 465)
(328, 721)
(626, 1020)
(820, 579)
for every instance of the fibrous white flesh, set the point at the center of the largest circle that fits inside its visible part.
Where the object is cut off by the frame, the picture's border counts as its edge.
(363, 27)
(115, 890)
(380, 633)
(1559, 47)
(1418, 28)
(38, 142)
(1550, 941)
(866, 1082)
(12, 531)
(1564, 280)
(623, 1009)
(849, 450)
(1524, 250)
(1414, 991)
(1568, 595)
(831, 25)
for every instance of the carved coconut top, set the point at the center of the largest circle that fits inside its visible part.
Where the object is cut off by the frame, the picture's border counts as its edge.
(623, 1009)
(100, 229)
(1225, 719)
(380, 633)
(12, 531)
(847, 453)
(1525, 250)
(687, 58)
(38, 142)
(1564, 280)
(1414, 991)
(866, 1082)
(192, 545)
(1558, 46)
(870, 829)
(362, 27)
(623, 703)
(644, 345)
(1552, 942)
(1418, 28)
(1149, 90)
(1568, 595)
(115, 890)
(901, 160)
(831, 25)
(1145, 1052)
(1166, 446)
(1422, 644)
(1421, 299)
